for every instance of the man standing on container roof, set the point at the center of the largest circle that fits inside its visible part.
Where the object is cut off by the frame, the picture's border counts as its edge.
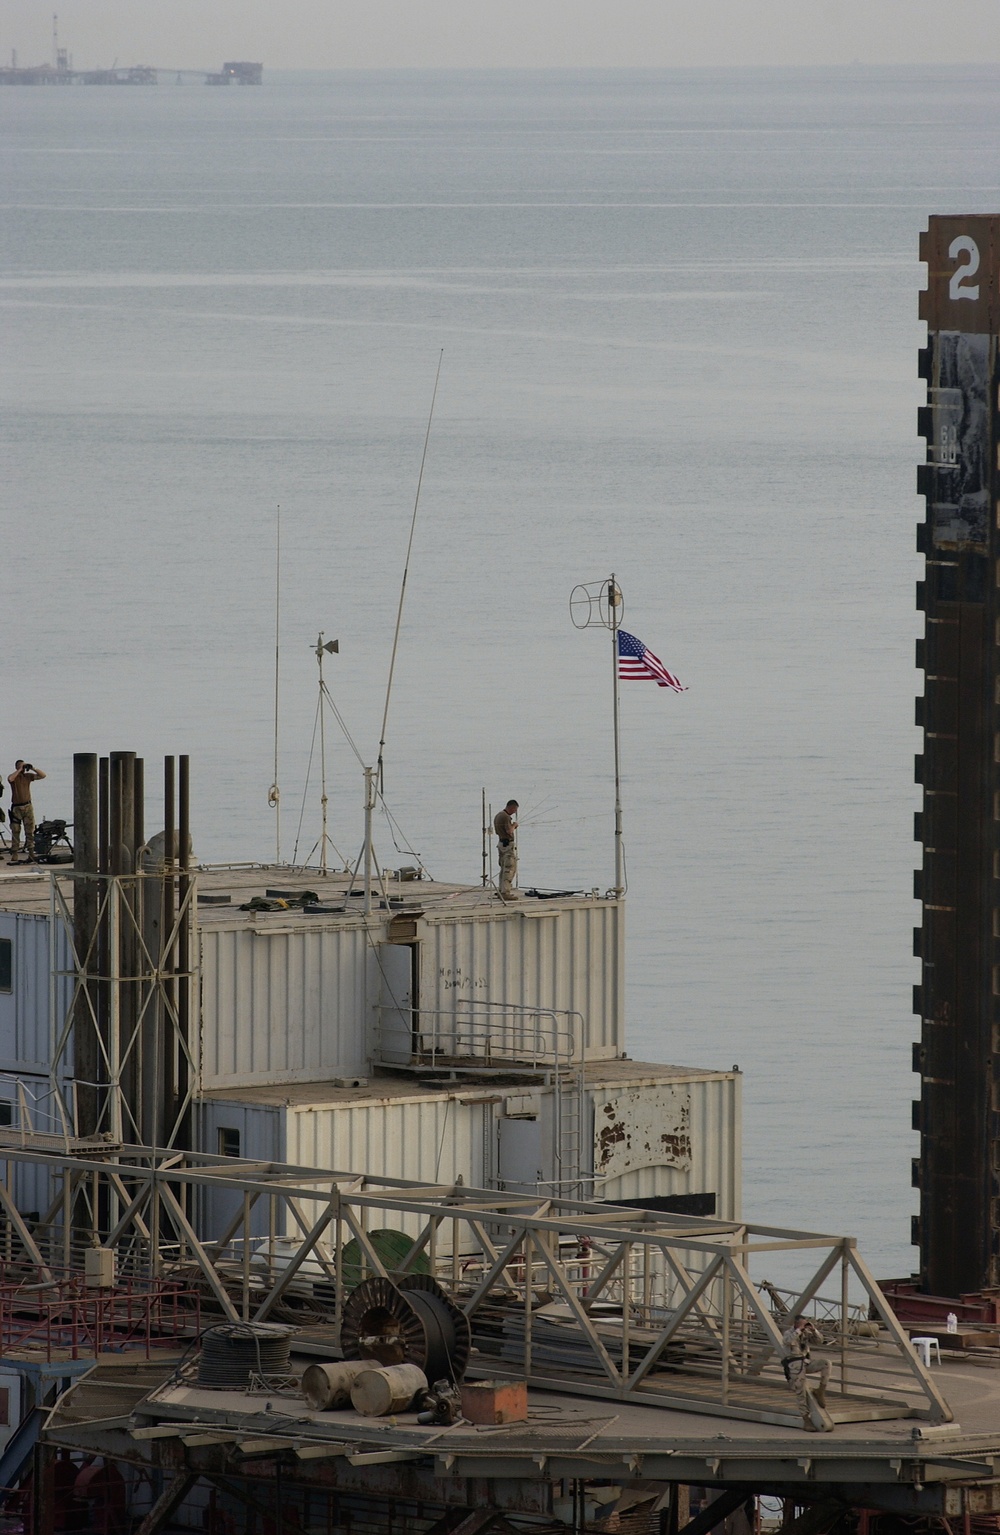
(22, 815)
(505, 825)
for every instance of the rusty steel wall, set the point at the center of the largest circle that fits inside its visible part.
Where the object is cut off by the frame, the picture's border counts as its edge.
(958, 941)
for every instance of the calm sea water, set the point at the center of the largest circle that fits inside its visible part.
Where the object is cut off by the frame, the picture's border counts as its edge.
(678, 316)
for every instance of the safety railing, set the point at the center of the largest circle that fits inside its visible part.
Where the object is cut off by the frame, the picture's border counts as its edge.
(482, 1034)
(58, 1318)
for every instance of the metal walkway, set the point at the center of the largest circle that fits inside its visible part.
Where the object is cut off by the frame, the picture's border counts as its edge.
(588, 1298)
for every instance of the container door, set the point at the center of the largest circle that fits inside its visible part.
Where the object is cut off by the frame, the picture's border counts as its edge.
(398, 975)
(520, 1168)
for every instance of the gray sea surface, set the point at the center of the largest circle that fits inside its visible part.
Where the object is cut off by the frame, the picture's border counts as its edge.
(678, 313)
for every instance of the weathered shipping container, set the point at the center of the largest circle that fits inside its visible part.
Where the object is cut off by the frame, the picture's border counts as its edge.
(299, 999)
(645, 1134)
(685, 1140)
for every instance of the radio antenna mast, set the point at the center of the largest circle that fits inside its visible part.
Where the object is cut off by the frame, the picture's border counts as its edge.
(274, 793)
(402, 589)
(331, 648)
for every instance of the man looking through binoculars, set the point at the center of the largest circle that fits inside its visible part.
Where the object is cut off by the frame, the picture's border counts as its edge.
(22, 814)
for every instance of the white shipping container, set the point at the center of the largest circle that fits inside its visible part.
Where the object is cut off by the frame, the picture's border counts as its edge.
(434, 1138)
(676, 1135)
(294, 1002)
(566, 956)
(437, 1138)
(284, 1004)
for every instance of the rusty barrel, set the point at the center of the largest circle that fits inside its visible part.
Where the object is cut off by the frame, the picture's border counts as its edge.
(328, 1386)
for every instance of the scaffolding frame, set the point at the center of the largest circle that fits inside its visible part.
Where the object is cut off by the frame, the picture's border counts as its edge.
(129, 992)
(559, 1292)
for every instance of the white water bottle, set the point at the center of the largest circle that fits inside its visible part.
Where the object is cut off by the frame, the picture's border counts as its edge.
(951, 1323)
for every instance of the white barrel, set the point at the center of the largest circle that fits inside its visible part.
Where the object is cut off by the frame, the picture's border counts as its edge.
(379, 1389)
(327, 1386)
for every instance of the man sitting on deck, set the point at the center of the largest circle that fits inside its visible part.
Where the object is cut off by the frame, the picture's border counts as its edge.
(797, 1366)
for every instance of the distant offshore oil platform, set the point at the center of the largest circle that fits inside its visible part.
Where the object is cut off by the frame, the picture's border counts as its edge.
(59, 71)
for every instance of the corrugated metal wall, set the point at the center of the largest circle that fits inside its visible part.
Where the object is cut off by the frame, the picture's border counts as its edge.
(284, 1006)
(430, 1140)
(540, 956)
(298, 1005)
(24, 1011)
(261, 1132)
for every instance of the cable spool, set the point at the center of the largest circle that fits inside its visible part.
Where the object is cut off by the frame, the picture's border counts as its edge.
(410, 1322)
(391, 1247)
(233, 1351)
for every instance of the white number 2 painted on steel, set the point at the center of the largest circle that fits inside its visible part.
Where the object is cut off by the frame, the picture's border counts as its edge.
(960, 287)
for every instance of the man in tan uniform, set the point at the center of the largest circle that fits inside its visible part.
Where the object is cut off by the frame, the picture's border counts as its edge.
(798, 1366)
(22, 815)
(505, 825)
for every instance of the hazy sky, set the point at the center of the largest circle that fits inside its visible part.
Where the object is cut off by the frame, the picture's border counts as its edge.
(366, 34)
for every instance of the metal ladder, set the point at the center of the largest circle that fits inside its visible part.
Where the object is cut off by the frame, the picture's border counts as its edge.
(569, 1103)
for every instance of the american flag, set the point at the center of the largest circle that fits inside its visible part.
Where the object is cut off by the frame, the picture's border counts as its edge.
(636, 663)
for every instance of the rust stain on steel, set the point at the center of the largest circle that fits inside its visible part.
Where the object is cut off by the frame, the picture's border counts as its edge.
(607, 1140)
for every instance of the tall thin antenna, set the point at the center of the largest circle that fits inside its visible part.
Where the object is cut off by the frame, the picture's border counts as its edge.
(274, 793)
(406, 571)
(331, 648)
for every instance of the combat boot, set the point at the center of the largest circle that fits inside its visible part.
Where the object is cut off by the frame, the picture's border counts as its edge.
(820, 1394)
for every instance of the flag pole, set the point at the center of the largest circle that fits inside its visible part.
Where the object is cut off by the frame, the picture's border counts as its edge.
(614, 601)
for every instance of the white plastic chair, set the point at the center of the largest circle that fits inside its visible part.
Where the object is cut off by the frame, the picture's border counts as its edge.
(925, 1347)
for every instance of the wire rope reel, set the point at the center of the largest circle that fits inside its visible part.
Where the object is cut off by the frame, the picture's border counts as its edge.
(233, 1352)
(409, 1321)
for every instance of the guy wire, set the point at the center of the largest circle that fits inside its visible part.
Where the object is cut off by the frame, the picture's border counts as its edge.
(274, 794)
(406, 571)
